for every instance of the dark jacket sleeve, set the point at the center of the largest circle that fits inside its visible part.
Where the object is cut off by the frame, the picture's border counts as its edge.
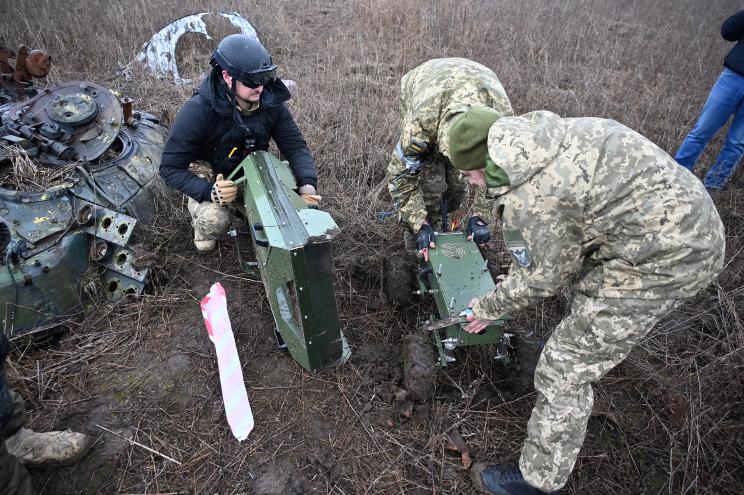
(732, 28)
(292, 145)
(184, 143)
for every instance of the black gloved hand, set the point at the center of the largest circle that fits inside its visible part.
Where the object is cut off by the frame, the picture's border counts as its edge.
(424, 237)
(479, 230)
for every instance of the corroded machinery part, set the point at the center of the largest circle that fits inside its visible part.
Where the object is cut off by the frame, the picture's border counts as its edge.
(89, 215)
(72, 111)
(83, 116)
(40, 286)
(17, 71)
(28, 63)
(126, 176)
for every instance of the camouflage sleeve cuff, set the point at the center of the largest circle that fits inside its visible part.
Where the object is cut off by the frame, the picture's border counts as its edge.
(415, 224)
(488, 307)
(482, 206)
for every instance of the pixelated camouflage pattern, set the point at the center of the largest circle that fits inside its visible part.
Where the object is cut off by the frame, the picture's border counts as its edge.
(438, 179)
(208, 219)
(597, 335)
(602, 208)
(431, 95)
(597, 202)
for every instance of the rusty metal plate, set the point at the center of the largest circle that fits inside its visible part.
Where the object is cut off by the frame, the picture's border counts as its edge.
(121, 262)
(88, 113)
(36, 216)
(72, 110)
(118, 286)
(111, 226)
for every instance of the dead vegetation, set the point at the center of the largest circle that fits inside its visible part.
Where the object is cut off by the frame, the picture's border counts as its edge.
(670, 420)
(24, 174)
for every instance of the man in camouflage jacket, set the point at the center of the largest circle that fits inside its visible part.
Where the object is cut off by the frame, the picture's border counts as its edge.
(420, 174)
(590, 201)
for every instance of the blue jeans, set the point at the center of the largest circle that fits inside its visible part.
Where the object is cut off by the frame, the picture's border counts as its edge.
(725, 99)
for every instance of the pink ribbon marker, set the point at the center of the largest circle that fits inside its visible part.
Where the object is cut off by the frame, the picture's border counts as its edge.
(237, 407)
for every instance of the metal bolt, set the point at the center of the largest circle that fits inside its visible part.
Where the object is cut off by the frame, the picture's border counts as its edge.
(439, 270)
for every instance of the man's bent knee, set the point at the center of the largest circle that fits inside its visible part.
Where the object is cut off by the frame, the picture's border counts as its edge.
(208, 218)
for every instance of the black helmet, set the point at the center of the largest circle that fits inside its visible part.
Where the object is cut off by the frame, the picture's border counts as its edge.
(245, 59)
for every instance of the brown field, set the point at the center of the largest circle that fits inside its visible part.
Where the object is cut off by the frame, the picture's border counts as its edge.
(669, 420)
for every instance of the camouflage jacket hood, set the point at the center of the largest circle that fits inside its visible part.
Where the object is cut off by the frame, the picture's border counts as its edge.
(593, 202)
(544, 131)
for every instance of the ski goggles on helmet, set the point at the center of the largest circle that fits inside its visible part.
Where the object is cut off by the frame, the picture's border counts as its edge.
(258, 78)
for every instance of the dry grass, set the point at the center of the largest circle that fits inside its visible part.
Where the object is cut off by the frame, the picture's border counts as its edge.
(24, 174)
(667, 421)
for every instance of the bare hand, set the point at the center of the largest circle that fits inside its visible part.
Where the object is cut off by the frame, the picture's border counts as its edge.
(310, 196)
(474, 324)
(223, 191)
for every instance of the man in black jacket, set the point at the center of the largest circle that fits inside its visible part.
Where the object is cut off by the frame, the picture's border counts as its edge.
(725, 100)
(238, 108)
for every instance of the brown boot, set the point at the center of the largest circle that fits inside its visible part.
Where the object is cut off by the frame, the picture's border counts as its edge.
(54, 448)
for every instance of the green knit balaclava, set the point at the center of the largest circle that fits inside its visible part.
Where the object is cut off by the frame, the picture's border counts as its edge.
(468, 144)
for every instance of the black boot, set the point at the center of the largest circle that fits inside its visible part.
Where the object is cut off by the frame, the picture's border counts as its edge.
(500, 479)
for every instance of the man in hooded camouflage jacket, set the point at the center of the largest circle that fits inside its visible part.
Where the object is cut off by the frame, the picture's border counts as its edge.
(592, 201)
(420, 174)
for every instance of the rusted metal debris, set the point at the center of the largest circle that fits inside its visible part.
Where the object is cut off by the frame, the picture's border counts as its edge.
(105, 155)
(17, 71)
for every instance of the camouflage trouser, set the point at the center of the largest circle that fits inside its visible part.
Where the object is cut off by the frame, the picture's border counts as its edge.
(597, 335)
(208, 219)
(14, 479)
(439, 179)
